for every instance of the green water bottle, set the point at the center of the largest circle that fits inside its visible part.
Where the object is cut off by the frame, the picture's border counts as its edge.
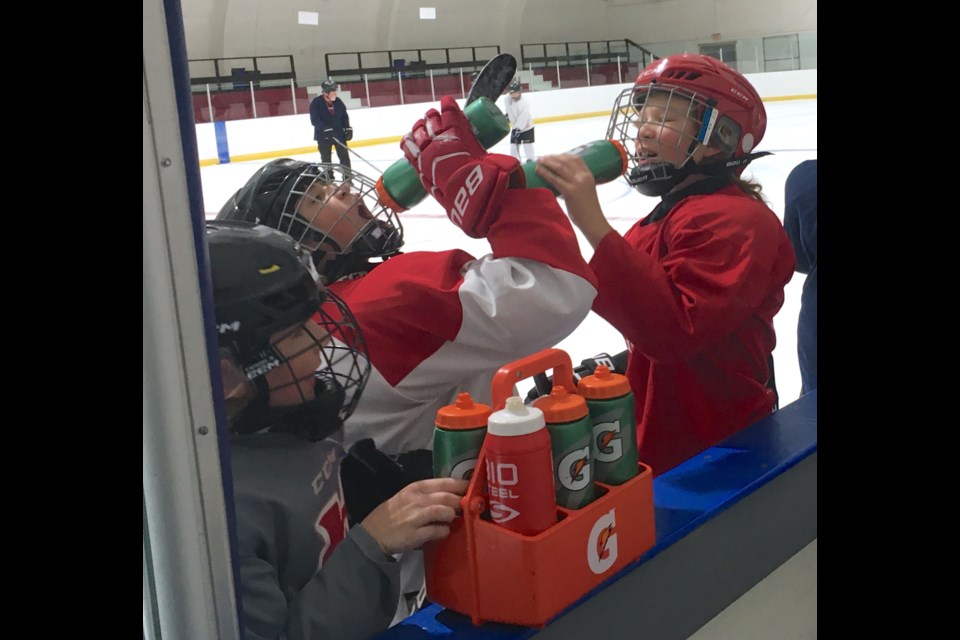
(568, 422)
(458, 436)
(606, 159)
(612, 414)
(399, 188)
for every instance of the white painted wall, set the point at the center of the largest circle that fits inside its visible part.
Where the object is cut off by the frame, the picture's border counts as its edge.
(227, 28)
(284, 134)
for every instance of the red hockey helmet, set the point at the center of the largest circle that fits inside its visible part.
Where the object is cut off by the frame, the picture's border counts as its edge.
(713, 106)
(707, 79)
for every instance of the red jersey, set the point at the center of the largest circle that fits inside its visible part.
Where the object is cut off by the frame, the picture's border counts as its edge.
(694, 294)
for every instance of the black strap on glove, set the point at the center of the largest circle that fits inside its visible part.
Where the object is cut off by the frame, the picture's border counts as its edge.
(370, 476)
(544, 384)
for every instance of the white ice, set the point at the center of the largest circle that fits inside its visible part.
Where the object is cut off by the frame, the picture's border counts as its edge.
(791, 135)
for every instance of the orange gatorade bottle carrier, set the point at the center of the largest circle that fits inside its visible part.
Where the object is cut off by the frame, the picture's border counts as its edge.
(492, 574)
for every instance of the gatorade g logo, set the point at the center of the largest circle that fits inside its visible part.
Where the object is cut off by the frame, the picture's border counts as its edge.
(607, 437)
(463, 470)
(502, 513)
(602, 543)
(573, 471)
(462, 200)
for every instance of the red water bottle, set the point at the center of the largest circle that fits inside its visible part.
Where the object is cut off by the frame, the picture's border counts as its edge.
(520, 489)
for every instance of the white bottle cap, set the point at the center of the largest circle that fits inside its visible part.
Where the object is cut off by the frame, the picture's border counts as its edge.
(516, 419)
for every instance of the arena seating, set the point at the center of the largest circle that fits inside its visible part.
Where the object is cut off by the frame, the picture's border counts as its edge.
(236, 105)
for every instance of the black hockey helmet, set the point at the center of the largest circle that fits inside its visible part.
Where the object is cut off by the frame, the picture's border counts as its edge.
(328, 85)
(290, 195)
(515, 86)
(261, 286)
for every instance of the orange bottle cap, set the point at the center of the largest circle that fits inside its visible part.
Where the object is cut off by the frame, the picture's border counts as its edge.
(603, 384)
(463, 414)
(561, 406)
(386, 199)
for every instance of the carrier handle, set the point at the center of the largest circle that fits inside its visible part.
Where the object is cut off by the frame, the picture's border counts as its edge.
(509, 374)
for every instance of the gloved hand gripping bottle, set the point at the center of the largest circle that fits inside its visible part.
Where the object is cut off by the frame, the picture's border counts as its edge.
(399, 188)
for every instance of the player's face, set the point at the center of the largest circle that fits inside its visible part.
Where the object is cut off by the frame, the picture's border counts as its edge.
(292, 382)
(337, 213)
(666, 129)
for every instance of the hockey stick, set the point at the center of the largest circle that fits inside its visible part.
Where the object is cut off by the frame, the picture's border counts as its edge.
(493, 78)
(490, 83)
(349, 150)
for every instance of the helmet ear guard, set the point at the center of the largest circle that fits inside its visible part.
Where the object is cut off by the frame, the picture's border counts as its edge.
(724, 134)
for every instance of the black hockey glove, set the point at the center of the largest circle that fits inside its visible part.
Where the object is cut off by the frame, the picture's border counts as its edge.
(544, 384)
(347, 134)
(515, 136)
(370, 476)
(327, 133)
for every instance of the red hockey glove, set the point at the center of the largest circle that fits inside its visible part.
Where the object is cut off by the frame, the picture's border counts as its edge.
(456, 170)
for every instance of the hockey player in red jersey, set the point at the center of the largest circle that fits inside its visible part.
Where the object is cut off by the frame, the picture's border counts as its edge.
(437, 323)
(693, 286)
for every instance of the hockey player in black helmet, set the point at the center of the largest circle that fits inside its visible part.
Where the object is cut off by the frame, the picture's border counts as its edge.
(331, 210)
(263, 293)
(331, 123)
(435, 321)
(293, 365)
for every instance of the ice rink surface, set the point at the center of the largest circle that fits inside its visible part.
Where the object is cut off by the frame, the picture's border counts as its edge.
(791, 135)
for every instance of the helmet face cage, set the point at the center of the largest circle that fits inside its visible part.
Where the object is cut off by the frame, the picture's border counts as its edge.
(681, 121)
(345, 364)
(361, 226)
